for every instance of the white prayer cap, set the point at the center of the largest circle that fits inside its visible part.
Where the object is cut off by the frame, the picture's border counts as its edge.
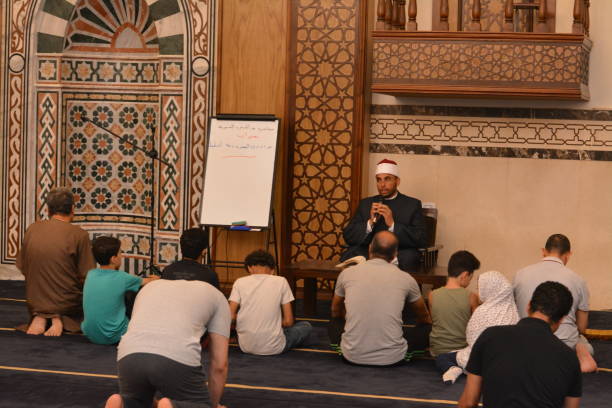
(388, 167)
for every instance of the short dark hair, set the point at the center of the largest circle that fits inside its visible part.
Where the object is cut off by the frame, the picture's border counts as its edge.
(104, 248)
(261, 258)
(60, 201)
(552, 299)
(558, 243)
(193, 242)
(384, 248)
(462, 261)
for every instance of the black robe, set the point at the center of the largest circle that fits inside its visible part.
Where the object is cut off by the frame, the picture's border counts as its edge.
(409, 228)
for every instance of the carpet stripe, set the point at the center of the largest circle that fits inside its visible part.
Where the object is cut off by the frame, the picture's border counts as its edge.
(250, 387)
(342, 394)
(38, 370)
(294, 349)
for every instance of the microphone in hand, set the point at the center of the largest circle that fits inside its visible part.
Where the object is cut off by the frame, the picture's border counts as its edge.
(376, 216)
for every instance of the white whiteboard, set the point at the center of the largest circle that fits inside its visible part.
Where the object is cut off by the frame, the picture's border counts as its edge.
(239, 174)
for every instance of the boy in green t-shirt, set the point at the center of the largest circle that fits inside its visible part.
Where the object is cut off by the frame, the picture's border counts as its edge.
(451, 307)
(104, 293)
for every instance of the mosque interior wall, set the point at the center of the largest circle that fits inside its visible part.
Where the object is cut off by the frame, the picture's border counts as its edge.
(505, 175)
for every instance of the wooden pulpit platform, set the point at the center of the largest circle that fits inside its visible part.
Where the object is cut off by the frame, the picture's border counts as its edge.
(310, 270)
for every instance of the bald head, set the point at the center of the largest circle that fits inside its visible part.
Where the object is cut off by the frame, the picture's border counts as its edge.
(384, 246)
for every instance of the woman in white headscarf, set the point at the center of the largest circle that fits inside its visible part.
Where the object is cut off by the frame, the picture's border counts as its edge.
(497, 309)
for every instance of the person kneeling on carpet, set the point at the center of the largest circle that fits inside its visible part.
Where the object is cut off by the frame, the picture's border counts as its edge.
(104, 293)
(55, 257)
(161, 350)
(371, 297)
(261, 308)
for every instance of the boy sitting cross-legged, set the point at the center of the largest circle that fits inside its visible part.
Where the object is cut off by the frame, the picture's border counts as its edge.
(260, 305)
(103, 294)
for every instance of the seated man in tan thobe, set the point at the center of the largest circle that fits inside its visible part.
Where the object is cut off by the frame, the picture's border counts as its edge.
(54, 258)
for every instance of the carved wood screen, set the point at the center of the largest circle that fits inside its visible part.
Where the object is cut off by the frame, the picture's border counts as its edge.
(326, 124)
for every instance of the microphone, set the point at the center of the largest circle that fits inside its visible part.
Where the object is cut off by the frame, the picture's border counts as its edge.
(378, 199)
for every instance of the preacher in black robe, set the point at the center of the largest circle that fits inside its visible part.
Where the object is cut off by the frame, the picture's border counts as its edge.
(408, 226)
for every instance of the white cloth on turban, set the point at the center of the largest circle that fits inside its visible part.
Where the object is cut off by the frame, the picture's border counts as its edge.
(387, 166)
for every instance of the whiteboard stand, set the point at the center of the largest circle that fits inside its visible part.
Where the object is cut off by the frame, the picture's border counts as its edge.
(270, 240)
(239, 176)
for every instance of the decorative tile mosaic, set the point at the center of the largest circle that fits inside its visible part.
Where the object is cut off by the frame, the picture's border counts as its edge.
(92, 71)
(47, 70)
(172, 72)
(492, 132)
(110, 179)
(108, 176)
(112, 26)
(457, 62)
(325, 118)
(47, 148)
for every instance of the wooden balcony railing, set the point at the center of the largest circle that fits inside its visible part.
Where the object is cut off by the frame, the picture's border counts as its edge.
(391, 15)
(476, 63)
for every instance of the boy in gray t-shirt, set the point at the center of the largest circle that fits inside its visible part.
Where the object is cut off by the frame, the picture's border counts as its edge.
(161, 350)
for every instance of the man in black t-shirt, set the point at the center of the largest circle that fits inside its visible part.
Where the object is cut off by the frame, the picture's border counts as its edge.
(193, 243)
(526, 365)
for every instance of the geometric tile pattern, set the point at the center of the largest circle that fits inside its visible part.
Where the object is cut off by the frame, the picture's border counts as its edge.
(47, 70)
(47, 149)
(201, 108)
(124, 91)
(171, 151)
(112, 26)
(172, 72)
(558, 134)
(323, 120)
(449, 62)
(13, 143)
(567, 135)
(82, 70)
(109, 177)
(482, 151)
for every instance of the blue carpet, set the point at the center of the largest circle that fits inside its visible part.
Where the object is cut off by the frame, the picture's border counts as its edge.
(417, 382)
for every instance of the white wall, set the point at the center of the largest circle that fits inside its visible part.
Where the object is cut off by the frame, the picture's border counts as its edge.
(503, 209)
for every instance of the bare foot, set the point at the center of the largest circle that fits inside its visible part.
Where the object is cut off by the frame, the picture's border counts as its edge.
(56, 328)
(587, 362)
(164, 403)
(114, 401)
(37, 326)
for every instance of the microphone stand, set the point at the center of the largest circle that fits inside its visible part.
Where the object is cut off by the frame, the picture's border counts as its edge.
(153, 155)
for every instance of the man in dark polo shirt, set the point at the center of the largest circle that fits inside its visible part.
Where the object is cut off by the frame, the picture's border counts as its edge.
(193, 243)
(526, 365)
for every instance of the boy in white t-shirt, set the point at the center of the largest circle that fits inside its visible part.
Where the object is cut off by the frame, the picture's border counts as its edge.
(261, 308)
